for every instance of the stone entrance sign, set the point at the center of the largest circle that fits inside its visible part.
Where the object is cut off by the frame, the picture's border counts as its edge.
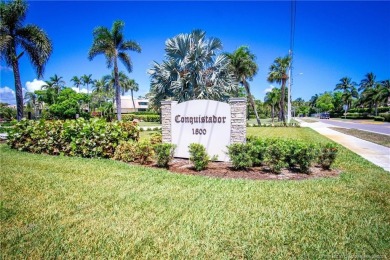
(210, 123)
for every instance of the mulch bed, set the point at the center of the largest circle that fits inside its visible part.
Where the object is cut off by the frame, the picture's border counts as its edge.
(225, 170)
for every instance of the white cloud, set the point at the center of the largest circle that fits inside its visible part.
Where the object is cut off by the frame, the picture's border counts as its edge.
(5, 68)
(269, 89)
(83, 90)
(7, 95)
(34, 85)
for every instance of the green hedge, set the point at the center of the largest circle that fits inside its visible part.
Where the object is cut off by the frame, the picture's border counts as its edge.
(385, 116)
(94, 138)
(276, 154)
(145, 118)
(358, 116)
(369, 110)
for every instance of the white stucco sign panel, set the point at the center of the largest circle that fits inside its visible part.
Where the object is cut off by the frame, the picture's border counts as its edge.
(206, 122)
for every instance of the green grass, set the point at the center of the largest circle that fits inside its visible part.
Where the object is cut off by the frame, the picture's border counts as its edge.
(380, 139)
(253, 121)
(149, 123)
(61, 207)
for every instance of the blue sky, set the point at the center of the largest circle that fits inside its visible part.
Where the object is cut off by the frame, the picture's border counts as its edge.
(332, 39)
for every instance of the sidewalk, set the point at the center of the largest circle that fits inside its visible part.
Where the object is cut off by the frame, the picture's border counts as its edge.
(377, 154)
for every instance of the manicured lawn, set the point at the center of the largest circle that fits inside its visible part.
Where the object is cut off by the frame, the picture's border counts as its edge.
(88, 208)
(368, 136)
(149, 124)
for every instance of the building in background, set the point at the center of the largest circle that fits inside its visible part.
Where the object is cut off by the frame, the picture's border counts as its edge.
(128, 107)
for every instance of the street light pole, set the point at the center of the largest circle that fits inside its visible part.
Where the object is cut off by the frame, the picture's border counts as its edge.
(289, 89)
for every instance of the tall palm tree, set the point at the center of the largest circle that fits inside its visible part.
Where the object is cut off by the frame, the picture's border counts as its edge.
(113, 45)
(244, 68)
(86, 80)
(272, 98)
(278, 73)
(51, 92)
(349, 90)
(368, 82)
(131, 85)
(30, 39)
(77, 82)
(57, 83)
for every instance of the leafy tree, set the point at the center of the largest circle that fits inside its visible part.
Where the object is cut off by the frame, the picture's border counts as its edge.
(192, 70)
(30, 39)
(113, 45)
(278, 73)
(69, 104)
(338, 101)
(244, 68)
(325, 102)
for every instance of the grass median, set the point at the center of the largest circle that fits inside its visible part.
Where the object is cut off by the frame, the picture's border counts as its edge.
(66, 207)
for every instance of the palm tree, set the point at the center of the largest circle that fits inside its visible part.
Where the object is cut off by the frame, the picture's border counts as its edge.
(31, 100)
(244, 67)
(113, 45)
(375, 94)
(368, 82)
(192, 70)
(278, 73)
(57, 83)
(349, 90)
(30, 38)
(77, 82)
(272, 98)
(131, 85)
(86, 80)
(385, 91)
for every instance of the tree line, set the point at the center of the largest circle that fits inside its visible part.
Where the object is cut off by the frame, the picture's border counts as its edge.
(195, 67)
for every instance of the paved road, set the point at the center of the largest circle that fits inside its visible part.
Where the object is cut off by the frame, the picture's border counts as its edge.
(372, 126)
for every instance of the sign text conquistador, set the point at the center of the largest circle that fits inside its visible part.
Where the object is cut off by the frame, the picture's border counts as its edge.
(206, 122)
(201, 121)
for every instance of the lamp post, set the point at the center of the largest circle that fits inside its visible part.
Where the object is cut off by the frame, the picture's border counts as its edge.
(290, 83)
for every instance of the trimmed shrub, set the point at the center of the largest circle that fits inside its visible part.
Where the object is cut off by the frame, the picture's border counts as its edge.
(275, 157)
(94, 138)
(198, 156)
(300, 155)
(164, 154)
(327, 155)
(257, 149)
(130, 151)
(240, 155)
(156, 138)
(385, 116)
(141, 117)
(126, 152)
(379, 118)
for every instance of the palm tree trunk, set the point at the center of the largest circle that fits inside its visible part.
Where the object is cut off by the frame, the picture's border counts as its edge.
(18, 87)
(273, 113)
(248, 92)
(132, 98)
(117, 91)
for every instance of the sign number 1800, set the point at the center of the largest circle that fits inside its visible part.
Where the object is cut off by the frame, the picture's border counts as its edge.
(198, 131)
